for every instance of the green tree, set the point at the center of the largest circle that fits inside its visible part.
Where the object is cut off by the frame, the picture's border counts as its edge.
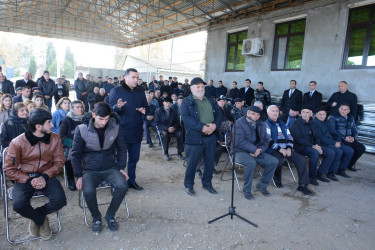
(32, 65)
(50, 56)
(53, 68)
(69, 64)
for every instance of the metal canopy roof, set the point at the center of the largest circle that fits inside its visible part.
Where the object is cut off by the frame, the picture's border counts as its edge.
(125, 23)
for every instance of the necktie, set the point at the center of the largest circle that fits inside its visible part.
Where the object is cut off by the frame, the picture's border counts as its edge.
(311, 93)
(291, 93)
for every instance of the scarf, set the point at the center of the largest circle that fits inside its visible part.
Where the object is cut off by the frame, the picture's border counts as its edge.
(75, 117)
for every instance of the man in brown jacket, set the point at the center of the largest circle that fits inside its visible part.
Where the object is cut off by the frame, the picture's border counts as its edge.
(33, 160)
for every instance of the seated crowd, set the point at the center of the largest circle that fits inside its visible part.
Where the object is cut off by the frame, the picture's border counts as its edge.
(88, 141)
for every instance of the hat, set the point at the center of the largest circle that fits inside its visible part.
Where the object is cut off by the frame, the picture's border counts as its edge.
(321, 108)
(168, 99)
(18, 88)
(295, 108)
(197, 80)
(36, 88)
(307, 107)
(238, 100)
(180, 98)
(219, 99)
(254, 109)
(179, 83)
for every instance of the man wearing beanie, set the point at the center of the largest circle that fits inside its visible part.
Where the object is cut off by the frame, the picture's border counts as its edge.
(33, 160)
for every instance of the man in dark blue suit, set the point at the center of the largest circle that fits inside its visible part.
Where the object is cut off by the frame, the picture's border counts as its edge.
(313, 98)
(130, 103)
(291, 97)
(246, 93)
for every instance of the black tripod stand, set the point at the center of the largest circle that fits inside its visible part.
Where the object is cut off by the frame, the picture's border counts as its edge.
(232, 209)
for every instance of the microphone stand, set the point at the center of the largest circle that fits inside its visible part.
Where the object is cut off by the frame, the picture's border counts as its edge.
(232, 209)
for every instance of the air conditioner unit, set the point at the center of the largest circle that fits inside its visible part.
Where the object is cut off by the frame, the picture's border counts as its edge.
(253, 46)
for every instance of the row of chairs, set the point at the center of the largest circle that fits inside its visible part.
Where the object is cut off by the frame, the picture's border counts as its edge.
(81, 203)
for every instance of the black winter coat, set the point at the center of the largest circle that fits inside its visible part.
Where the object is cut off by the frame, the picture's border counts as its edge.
(304, 134)
(163, 122)
(12, 127)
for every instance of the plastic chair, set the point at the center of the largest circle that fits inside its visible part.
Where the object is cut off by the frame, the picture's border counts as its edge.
(102, 185)
(6, 209)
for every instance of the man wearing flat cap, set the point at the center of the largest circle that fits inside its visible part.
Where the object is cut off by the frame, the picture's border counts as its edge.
(249, 146)
(168, 125)
(202, 118)
(238, 110)
(307, 142)
(290, 117)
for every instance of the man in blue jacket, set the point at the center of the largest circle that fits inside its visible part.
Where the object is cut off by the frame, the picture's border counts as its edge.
(343, 129)
(99, 153)
(202, 119)
(130, 103)
(249, 145)
(343, 153)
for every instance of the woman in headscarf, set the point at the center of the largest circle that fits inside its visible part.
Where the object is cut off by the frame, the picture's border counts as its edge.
(62, 108)
(5, 107)
(15, 125)
(74, 117)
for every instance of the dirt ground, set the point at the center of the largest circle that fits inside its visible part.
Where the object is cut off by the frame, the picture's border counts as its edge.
(340, 215)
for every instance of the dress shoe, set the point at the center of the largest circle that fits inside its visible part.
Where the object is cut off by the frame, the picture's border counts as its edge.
(190, 191)
(342, 173)
(166, 157)
(45, 230)
(210, 189)
(33, 228)
(313, 181)
(179, 155)
(96, 226)
(135, 186)
(303, 189)
(248, 196)
(72, 185)
(150, 145)
(353, 169)
(199, 174)
(322, 178)
(112, 224)
(332, 176)
(263, 190)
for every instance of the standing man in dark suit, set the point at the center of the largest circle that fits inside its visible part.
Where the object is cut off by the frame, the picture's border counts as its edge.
(291, 97)
(202, 119)
(210, 90)
(343, 96)
(233, 92)
(247, 93)
(26, 82)
(313, 98)
(130, 103)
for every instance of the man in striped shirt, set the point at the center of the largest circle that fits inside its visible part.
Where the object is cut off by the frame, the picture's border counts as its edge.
(281, 147)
